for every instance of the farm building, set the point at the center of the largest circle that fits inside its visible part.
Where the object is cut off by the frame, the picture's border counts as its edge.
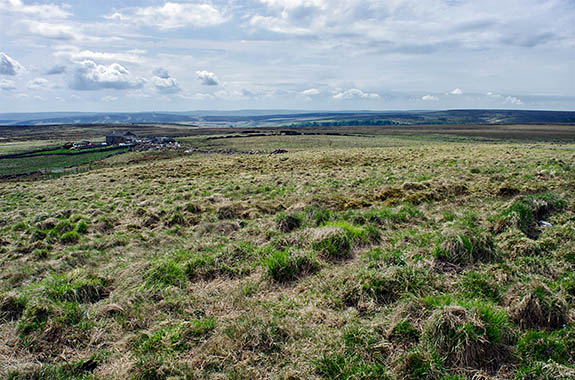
(121, 137)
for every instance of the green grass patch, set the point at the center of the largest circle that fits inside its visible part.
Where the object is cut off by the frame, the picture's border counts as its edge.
(284, 266)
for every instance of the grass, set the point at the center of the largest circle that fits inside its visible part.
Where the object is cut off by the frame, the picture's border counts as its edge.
(344, 258)
(15, 166)
(283, 266)
(465, 247)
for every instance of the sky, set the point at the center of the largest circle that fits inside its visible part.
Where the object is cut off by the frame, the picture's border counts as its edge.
(151, 55)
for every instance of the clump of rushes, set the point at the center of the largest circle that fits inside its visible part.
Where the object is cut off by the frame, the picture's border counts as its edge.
(404, 332)
(388, 215)
(230, 211)
(469, 336)
(534, 305)
(479, 285)
(525, 212)
(382, 288)
(543, 346)
(194, 208)
(332, 243)
(11, 307)
(77, 286)
(166, 273)
(70, 237)
(545, 371)
(349, 367)
(417, 364)
(513, 243)
(465, 246)
(176, 219)
(34, 317)
(287, 222)
(319, 215)
(284, 266)
(335, 240)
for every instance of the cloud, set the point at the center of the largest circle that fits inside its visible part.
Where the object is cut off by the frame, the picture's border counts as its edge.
(161, 73)
(294, 16)
(355, 93)
(9, 66)
(58, 69)
(513, 100)
(172, 16)
(38, 83)
(49, 11)
(430, 98)
(506, 100)
(89, 76)
(76, 54)
(207, 78)
(529, 41)
(457, 91)
(109, 98)
(418, 27)
(7, 85)
(164, 83)
(310, 92)
(52, 31)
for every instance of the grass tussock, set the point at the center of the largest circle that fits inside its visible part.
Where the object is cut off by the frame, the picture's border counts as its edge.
(469, 337)
(466, 247)
(372, 288)
(285, 266)
(534, 305)
(525, 213)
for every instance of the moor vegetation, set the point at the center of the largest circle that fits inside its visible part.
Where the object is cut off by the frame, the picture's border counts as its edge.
(345, 258)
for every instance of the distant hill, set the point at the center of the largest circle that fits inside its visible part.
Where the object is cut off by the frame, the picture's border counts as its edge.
(293, 118)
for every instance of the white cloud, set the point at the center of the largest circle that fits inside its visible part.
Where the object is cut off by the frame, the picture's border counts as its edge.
(109, 98)
(52, 31)
(430, 98)
(49, 11)
(89, 75)
(164, 83)
(513, 100)
(9, 66)
(457, 91)
(506, 100)
(7, 85)
(76, 54)
(38, 83)
(172, 16)
(291, 4)
(310, 92)
(417, 27)
(207, 78)
(355, 93)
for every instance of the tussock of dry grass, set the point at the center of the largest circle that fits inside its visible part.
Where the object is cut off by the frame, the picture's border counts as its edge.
(534, 305)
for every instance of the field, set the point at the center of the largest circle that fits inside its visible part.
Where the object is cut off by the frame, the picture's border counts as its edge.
(380, 253)
(54, 160)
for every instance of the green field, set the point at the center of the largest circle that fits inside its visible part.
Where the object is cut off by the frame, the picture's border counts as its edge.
(46, 160)
(387, 257)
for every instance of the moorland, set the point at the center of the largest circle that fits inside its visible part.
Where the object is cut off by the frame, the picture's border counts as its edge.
(364, 252)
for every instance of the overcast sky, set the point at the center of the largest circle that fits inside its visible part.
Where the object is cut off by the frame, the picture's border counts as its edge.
(151, 55)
